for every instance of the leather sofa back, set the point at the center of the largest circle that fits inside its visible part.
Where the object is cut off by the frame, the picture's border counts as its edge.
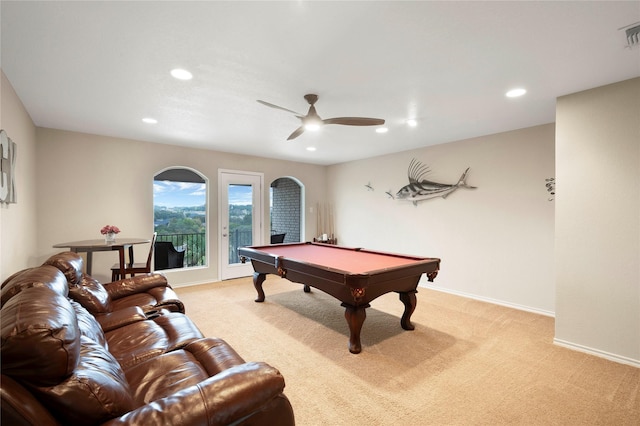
(40, 337)
(69, 263)
(47, 276)
(56, 349)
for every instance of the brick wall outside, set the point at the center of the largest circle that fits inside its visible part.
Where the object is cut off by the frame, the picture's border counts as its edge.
(285, 213)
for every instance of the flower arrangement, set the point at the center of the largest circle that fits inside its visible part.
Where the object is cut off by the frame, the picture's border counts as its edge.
(109, 229)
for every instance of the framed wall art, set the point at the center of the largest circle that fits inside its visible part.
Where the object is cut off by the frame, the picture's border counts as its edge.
(7, 169)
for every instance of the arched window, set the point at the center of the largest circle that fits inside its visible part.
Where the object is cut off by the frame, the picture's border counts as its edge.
(180, 218)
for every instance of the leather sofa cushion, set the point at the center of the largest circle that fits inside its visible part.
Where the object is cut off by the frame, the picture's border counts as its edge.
(96, 391)
(40, 336)
(164, 375)
(120, 318)
(88, 325)
(142, 340)
(91, 294)
(144, 300)
(137, 342)
(69, 263)
(171, 372)
(35, 277)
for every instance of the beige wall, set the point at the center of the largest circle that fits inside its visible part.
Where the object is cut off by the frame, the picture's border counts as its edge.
(87, 181)
(598, 220)
(18, 233)
(495, 242)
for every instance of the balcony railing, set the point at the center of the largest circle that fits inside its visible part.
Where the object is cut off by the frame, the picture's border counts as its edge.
(194, 244)
(238, 237)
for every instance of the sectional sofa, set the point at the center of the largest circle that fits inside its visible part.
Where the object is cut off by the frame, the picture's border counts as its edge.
(76, 351)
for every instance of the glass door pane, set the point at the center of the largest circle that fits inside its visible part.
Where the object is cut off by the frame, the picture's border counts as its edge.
(240, 219)
(240, 202)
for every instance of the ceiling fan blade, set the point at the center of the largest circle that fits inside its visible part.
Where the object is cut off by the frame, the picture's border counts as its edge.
(296, 133)
(277, 107)
(354, 121)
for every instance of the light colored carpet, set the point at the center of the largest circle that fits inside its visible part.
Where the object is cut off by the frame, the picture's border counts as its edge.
(466, 363)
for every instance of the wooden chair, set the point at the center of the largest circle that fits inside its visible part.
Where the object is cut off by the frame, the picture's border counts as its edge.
(134, 268)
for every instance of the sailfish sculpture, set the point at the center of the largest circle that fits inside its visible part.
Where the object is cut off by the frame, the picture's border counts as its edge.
(421, 189)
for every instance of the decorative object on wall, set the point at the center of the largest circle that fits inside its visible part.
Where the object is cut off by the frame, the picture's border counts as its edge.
(421, 189)
(7, 169)
(551, 187)
(369, 187)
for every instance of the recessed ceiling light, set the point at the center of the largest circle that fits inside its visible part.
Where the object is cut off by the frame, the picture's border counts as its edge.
(311, 148)
(150, 120)
(181, 74)
(412, 122)
(514, 93)
(382, 130)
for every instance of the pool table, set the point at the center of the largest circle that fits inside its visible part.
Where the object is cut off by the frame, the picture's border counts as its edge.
(354, 276)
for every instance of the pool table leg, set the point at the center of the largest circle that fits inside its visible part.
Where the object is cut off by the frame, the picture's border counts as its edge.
(355, 316)
(258, 279)
(409, 300)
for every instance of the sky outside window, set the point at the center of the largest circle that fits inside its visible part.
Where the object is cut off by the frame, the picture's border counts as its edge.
(186, 194)
(178, 194)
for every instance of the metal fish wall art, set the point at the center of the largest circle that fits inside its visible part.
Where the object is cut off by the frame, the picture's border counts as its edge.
(421, 189)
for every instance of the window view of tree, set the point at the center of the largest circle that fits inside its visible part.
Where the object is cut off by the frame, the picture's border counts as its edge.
(240, 219)
(180, 214)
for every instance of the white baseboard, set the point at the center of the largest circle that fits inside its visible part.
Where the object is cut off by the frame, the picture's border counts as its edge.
(596, 352)
(193, 283)
(493, 301)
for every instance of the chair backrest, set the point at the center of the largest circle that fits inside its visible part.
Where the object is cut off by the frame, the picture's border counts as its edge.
(167, 257)
(153, 244)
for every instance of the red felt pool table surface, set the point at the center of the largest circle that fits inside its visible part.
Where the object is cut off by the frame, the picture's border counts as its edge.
(353, 261)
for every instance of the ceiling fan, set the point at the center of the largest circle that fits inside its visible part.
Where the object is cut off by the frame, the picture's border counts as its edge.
(312, 120)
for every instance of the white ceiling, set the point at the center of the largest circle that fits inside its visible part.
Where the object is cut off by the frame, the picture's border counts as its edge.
(100, 67)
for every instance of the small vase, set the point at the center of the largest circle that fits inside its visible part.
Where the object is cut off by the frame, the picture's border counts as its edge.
(110, 237)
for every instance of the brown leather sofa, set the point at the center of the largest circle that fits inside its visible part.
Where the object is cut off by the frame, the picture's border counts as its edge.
(63, 362)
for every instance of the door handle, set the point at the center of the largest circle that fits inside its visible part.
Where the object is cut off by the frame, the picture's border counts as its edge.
(224, 235)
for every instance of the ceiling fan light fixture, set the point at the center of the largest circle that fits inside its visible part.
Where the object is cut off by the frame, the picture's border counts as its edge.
(312, 121)
(181, 74)
(514, 93)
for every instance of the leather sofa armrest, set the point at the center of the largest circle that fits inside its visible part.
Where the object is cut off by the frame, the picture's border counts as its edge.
(133, 285)
(20, 407)
(120, 318)
(167, 299)
(223, 399)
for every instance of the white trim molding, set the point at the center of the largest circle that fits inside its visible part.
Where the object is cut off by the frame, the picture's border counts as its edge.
(493, 301)
(596, 352)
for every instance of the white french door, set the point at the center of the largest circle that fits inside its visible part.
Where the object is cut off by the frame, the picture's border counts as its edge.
(240, 219)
